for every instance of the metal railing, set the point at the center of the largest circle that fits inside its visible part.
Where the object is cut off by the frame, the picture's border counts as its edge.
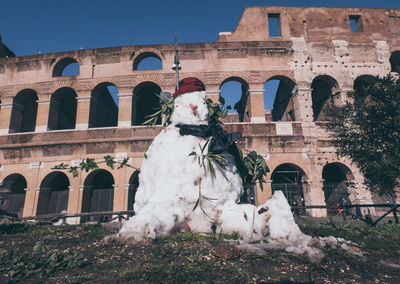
(393, 208)
(343, 210)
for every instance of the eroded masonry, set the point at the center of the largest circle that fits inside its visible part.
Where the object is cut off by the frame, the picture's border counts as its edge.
(63, 107)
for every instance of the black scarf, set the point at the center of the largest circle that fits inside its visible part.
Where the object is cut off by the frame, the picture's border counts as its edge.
(221, 142)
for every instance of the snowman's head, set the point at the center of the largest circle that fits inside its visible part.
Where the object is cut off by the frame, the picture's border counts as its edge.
(190, 108)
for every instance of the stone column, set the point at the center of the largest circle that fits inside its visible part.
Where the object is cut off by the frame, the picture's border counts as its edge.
(314, 195)
(73, 201)
(125, 109)
(213, 92)
(42, 117)
(80, 197)
(302, 102)
(341, 98)
(82, 110)
(261, 196)
(120, 203)
(5, 115)
(29, 202)
(255, 104)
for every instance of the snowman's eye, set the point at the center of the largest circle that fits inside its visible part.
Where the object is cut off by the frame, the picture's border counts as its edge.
(176, 106)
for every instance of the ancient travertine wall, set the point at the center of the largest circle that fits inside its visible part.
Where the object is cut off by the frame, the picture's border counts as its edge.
(315, 54)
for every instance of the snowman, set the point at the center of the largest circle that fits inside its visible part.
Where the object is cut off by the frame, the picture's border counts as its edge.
(179, 189)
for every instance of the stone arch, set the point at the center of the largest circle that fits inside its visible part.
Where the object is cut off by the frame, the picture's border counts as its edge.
(53, 194)
(395, 61)
(324, 87)
(236, 97)
(141, 57)
(133, 186)
(24, 111)
(98, 195)
(12, 193)
(62, 112)
(282, 96)
(103, 106)
(289, 178)
(336, 177)
(145, 102)
(364, 82)
(65, 63)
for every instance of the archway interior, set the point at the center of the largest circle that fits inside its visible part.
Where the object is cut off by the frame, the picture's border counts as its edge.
(147, 61)
(395, 61)
(133, 186)
(66, 67)
(363, 83)
(53, 195)
(235, 92)
(12, 193)
(62, 113)
(98, 195)
(145, 102)
(334, 186)
(24, 111)
(323, 88)
(104, 106)
(288, 179)
(278, 99)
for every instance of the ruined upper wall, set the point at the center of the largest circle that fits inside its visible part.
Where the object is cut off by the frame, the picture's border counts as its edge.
(313, 41)
(318, 24)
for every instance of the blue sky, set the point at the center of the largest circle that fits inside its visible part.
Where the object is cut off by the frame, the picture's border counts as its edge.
(33, 26)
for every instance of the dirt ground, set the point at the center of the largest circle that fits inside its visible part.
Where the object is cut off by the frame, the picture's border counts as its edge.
(43, 253)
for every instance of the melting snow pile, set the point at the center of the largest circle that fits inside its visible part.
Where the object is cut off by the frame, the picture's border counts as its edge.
(176, 192)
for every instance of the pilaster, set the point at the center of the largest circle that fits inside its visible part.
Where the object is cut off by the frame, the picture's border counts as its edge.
(42, 117)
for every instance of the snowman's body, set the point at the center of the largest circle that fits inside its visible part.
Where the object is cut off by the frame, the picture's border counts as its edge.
(172, 181)
(176, 192)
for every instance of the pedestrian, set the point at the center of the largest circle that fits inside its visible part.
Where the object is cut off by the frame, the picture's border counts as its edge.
(358, 212)
(367, 215)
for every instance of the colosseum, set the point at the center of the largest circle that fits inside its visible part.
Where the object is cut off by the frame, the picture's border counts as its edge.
(62, 107)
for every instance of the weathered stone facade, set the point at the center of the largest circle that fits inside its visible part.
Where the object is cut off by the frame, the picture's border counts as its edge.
(318, 55)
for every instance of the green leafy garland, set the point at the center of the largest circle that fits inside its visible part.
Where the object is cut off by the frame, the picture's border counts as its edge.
(90, 164)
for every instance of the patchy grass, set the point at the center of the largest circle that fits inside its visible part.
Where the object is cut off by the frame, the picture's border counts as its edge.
(383, 240)
(74, 254)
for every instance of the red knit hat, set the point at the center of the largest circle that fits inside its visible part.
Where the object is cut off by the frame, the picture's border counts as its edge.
(189, 85)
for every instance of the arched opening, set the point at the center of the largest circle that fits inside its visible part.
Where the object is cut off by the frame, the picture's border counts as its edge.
(104, 106)
(324, 88)
(289, 179)
(278, 101)
(364, 82)
(53, 195)
(62, 113)
(235, 92)
(12, 193)
(24, 111)
(147, 61)
(66, 67)
(133, 186)
(98, 195)
(145, 102)
(336, 177)
(395, 61)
